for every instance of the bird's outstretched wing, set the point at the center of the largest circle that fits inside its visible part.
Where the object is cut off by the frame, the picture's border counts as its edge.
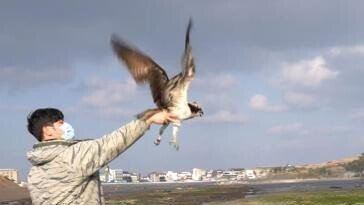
(188, 64)
(142, 68)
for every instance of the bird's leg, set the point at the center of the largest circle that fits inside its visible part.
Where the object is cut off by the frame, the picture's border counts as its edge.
(174, 140)
(158, 140)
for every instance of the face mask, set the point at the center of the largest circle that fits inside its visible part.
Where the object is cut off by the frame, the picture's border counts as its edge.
(68, 131)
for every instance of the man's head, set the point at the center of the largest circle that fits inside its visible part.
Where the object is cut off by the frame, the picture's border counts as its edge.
(45, 123)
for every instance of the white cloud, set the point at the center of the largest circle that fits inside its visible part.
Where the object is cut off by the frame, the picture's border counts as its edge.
(357, 114)
(307, 73)
(293, 128)
(299, 99)
(357, 49)
(22, 78)
(216, 82)
(225, 116)
(219, 100)
(107, 93)
(260, 103)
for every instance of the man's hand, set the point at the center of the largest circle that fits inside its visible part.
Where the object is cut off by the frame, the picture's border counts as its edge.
(161, 117)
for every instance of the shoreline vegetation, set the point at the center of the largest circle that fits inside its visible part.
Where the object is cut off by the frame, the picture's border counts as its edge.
(234, 192)
(337, 197)
(240, 195)
(224, 194)
(246, 194)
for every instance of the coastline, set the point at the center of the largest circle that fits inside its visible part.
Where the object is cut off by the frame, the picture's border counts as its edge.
(233, 190)
(189, 193)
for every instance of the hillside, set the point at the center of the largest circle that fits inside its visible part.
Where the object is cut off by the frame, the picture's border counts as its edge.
(332, 163)
(329, 169)
(9, 191)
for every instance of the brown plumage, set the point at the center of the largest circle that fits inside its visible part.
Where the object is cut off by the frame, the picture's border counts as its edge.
(170, 94)
(142, 68)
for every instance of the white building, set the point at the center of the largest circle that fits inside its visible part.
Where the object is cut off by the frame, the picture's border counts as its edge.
(134, 178)
(197, 174)
(250, 174)
(11, 174)
(261, 172)
(184, 176)
(172, 176)
(119, 175)
(157, 177)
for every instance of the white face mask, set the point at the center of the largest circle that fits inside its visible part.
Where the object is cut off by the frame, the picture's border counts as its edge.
(68, 131)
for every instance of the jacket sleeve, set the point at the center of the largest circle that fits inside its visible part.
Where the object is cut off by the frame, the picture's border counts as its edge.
(89, 156)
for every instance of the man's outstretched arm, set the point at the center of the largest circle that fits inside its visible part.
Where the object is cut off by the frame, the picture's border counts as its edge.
(89, 156)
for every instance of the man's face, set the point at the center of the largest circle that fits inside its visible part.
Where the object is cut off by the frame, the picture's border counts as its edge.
(53, 131)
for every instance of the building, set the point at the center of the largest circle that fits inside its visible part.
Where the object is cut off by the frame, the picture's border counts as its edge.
(230, 175)
(157, 177)
(261, 172)
(184, 176)
(172, 176)
(117, 175)
(250, 174)
(107, 175)
(11, 174)
(121, 176)
(197, 174)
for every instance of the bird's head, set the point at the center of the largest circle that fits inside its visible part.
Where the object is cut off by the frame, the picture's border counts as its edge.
(196, 110)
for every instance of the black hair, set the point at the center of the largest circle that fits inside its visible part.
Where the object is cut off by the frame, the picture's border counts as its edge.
(40, 118)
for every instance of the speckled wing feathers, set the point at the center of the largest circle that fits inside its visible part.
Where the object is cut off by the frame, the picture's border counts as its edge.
(142, 68)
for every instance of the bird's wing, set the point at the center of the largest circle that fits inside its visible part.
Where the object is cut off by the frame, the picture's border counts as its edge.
(142, 67)
(177, 87)
(188, 64)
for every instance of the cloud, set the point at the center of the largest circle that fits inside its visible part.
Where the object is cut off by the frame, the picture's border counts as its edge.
(292, 128)
(340, 50)
(216, 82)
(357, 114)
(225, 116)
(108, 93)
(299, 99)
(216, 92)
(260, 103)
(25, 78)
(14, 109)
(307, 73)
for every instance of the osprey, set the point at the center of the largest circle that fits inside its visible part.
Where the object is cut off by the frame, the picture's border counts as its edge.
(168, 94)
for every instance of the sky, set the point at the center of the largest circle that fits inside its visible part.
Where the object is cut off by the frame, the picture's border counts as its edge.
(280, 82)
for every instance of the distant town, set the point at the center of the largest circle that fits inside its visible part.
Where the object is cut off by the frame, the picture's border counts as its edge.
(332, 169)
(108, 175)
(344, 169)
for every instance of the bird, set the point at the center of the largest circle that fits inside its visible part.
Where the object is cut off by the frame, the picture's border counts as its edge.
(168, 94)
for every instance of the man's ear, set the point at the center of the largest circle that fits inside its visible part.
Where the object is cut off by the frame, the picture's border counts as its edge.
(47, 131)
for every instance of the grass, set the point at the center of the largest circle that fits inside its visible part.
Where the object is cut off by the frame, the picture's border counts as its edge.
(185, 196)
(233, 195)
(353, 197)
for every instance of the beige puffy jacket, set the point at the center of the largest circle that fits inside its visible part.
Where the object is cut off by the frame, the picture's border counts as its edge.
(66, 172)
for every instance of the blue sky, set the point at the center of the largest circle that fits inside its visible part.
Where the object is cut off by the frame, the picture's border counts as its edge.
(279, 81)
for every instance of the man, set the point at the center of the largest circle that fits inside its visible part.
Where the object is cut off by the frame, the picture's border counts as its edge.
(65, 171)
